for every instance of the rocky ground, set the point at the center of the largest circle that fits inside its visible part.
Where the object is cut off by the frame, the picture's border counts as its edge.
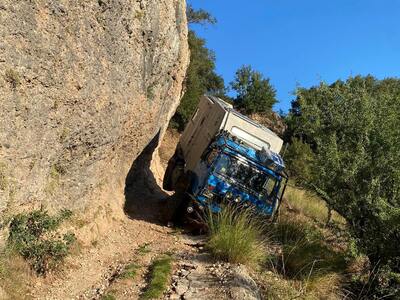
(133, 242)
(198, 276)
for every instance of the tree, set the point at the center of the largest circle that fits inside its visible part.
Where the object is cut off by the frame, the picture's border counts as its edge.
(201, 77)
(199, 16)
(299, 159)
(353, 128)
(255, 94)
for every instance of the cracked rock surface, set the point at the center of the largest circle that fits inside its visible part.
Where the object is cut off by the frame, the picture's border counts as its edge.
(85, 85)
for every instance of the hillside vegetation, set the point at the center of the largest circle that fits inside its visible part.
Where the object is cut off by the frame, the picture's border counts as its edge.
(346, 147)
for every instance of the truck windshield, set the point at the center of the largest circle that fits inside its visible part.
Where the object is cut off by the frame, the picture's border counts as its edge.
(244, 174)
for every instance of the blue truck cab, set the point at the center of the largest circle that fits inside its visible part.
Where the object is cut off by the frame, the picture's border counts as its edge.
(223, 157)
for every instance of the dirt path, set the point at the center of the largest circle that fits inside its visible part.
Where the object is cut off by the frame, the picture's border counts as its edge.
(136, 241)
(89, 274)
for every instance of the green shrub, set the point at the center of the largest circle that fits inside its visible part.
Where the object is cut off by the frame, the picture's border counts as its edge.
(352, 128)
(235, 236)
(33, 236)
(160, 273)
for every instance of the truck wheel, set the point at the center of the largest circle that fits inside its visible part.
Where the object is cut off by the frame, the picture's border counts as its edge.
(180, 214)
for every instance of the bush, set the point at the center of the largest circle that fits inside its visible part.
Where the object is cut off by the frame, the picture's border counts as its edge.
(352, 128)
(33, 236)
(235, 236)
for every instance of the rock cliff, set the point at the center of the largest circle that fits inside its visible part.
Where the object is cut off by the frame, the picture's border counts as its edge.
(85, 85)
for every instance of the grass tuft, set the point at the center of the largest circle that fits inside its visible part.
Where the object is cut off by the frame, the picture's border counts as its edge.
(235, 236)
(130, 271)
(310, 205)
(160, 273)
(143, 249)
(304, 254)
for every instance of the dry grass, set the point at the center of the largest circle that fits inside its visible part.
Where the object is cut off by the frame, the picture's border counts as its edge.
(235, 236)
(3, 177)
(325, 287)
(305, 262)
(310, 205)
(276, 287)
(304, 253)
(15, 274)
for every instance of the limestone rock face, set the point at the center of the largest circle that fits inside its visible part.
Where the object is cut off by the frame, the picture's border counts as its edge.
(85, 85)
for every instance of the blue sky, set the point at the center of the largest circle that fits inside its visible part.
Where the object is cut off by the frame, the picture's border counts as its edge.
(301, 42)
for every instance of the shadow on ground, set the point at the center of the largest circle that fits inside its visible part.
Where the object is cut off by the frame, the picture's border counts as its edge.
(144, 199)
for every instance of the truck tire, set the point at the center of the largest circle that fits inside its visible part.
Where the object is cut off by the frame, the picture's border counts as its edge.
(180, 213)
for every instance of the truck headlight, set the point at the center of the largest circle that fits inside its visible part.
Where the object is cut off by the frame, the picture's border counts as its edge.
(237, 199)
(229, 195)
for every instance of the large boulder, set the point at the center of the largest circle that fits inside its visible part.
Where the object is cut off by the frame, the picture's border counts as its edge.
(85, 85)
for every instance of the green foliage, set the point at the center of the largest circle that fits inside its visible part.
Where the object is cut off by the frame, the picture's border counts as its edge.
(199, 16)
(160, 273)
(235, 236)
(353, 129)
(255, 94)
(299, 159)
(200, 79)
(33, 236)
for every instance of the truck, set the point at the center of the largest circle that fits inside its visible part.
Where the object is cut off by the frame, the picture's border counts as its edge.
(224, 157)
